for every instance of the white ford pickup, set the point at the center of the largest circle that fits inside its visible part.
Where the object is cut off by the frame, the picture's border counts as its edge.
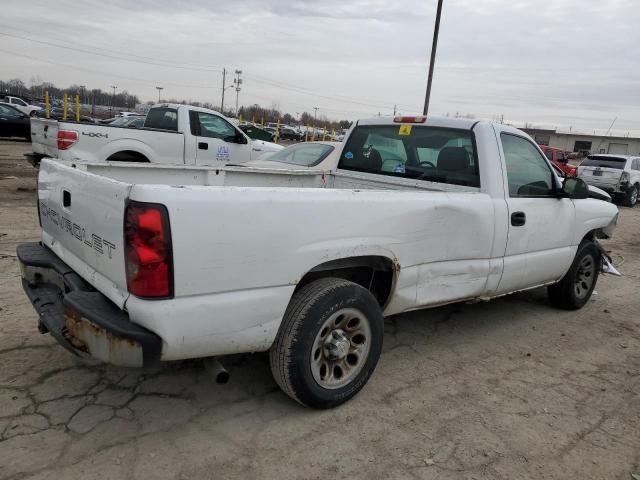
(172, 134)
(140, 263)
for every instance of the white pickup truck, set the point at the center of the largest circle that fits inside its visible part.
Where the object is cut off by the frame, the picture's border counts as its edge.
(141, 263)
(172, 134)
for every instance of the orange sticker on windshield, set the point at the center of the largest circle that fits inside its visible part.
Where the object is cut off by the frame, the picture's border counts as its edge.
(404, 130)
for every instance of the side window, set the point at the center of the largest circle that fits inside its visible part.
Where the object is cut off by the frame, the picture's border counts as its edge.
(560, 157)
(213, 126)
(8, 111)
(162, 118)
(528, 173)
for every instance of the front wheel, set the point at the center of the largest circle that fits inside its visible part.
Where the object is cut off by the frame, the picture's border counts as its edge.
(631, 198)
(576, 287)
(328, 344)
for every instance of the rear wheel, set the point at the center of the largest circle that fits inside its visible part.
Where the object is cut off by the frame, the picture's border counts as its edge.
(631, 198)
(329, 343)
(576, 287)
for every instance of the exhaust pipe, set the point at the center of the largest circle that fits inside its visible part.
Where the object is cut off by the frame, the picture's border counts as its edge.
(216, 370)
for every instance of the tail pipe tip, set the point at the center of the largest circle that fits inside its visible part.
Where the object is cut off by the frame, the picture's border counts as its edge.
(216, 370)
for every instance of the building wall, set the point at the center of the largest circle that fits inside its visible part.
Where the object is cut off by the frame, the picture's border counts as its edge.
(617, 145)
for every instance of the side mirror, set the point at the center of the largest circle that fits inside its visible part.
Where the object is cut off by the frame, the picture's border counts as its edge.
(575, 188)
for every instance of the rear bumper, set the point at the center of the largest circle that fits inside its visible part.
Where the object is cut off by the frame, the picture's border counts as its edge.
(80, 318)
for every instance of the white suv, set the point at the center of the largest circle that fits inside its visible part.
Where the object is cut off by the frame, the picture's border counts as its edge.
(619, 175)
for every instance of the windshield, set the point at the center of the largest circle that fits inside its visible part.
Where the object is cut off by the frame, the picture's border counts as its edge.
(304, 154)
(604, 162)
(442, 155)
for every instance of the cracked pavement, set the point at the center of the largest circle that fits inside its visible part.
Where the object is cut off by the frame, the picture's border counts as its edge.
(500, 390)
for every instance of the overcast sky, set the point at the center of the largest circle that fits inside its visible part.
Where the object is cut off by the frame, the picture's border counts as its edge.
(547, 62)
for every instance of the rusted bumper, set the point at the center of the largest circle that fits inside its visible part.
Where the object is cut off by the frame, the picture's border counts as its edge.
(80, 318)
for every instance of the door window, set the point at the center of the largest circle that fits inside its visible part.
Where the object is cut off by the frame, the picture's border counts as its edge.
(213, 126)
(8, 111)
(528, 172)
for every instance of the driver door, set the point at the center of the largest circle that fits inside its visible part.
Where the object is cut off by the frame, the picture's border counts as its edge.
(217, 141)
(539, 246)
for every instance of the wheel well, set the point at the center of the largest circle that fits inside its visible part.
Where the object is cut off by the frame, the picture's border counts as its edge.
(127, 156)
(375, 273)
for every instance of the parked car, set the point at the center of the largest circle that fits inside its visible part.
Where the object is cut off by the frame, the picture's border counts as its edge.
(320, 156)
(21, 105)
(171, 134)
(300, 262)
(288, 133)
(13, 122)
(129, 121)
(560, 158)
(619, 175)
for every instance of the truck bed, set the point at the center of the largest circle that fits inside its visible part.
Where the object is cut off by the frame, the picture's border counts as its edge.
(242, 176)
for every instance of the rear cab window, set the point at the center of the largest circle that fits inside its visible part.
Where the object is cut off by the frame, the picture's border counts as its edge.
(162, 118)
(420, 152)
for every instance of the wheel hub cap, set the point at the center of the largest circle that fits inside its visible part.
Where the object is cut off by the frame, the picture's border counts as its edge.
(337, 345)
(341, 348)
(585, 276)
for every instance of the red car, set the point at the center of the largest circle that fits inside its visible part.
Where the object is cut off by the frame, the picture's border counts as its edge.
(559, 158)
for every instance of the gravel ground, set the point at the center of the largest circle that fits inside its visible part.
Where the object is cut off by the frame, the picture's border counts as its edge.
(501, 390)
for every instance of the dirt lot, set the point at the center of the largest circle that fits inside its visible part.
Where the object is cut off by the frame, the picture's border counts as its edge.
(510, 389)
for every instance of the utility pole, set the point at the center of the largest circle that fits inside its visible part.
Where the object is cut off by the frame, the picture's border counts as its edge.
(82, 95)
(224, 87)
(394, 110)
(315, 115)
(434, 46)
(113, 103)
(237, 82)
(159, 90)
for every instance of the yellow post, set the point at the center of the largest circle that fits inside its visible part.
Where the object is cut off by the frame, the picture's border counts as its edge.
(77, 108)
(239, 119)
(262, 122)
(333, 135)
(64, 107)
(277, 132)
(253, 119)
(324, 134)
(306, 133)
(313, 133)
(47, 105)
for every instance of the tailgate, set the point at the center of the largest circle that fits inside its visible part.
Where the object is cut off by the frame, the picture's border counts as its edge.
(82, 216)
(601, 175)
(44, 136)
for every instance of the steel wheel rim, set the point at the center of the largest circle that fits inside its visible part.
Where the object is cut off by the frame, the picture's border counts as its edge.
(585, 276)
(341, 348)
(634, 195)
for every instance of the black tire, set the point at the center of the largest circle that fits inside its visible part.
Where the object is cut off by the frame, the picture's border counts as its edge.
(308, 312)
(631, 198)
(572, 293)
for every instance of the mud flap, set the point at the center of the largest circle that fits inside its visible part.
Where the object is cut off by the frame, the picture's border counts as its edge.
(606, 265)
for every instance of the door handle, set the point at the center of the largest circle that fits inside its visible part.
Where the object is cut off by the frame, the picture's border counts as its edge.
(203, 145)
(518, 219)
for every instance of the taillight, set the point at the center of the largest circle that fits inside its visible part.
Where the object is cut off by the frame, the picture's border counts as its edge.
(148, 255)
(66, 139)
(417, 119)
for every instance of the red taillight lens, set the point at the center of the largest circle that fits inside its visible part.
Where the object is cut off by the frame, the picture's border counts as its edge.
(66, 139)
(417, 119)
(148, 255)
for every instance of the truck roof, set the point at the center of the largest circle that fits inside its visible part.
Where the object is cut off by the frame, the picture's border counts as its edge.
(434, 121)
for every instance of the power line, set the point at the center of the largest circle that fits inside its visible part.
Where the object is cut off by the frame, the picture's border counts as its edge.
(210, 68)
(107, 74)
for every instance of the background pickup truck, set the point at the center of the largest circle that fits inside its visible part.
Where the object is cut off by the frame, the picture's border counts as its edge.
(141, 263)
(172, 134)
